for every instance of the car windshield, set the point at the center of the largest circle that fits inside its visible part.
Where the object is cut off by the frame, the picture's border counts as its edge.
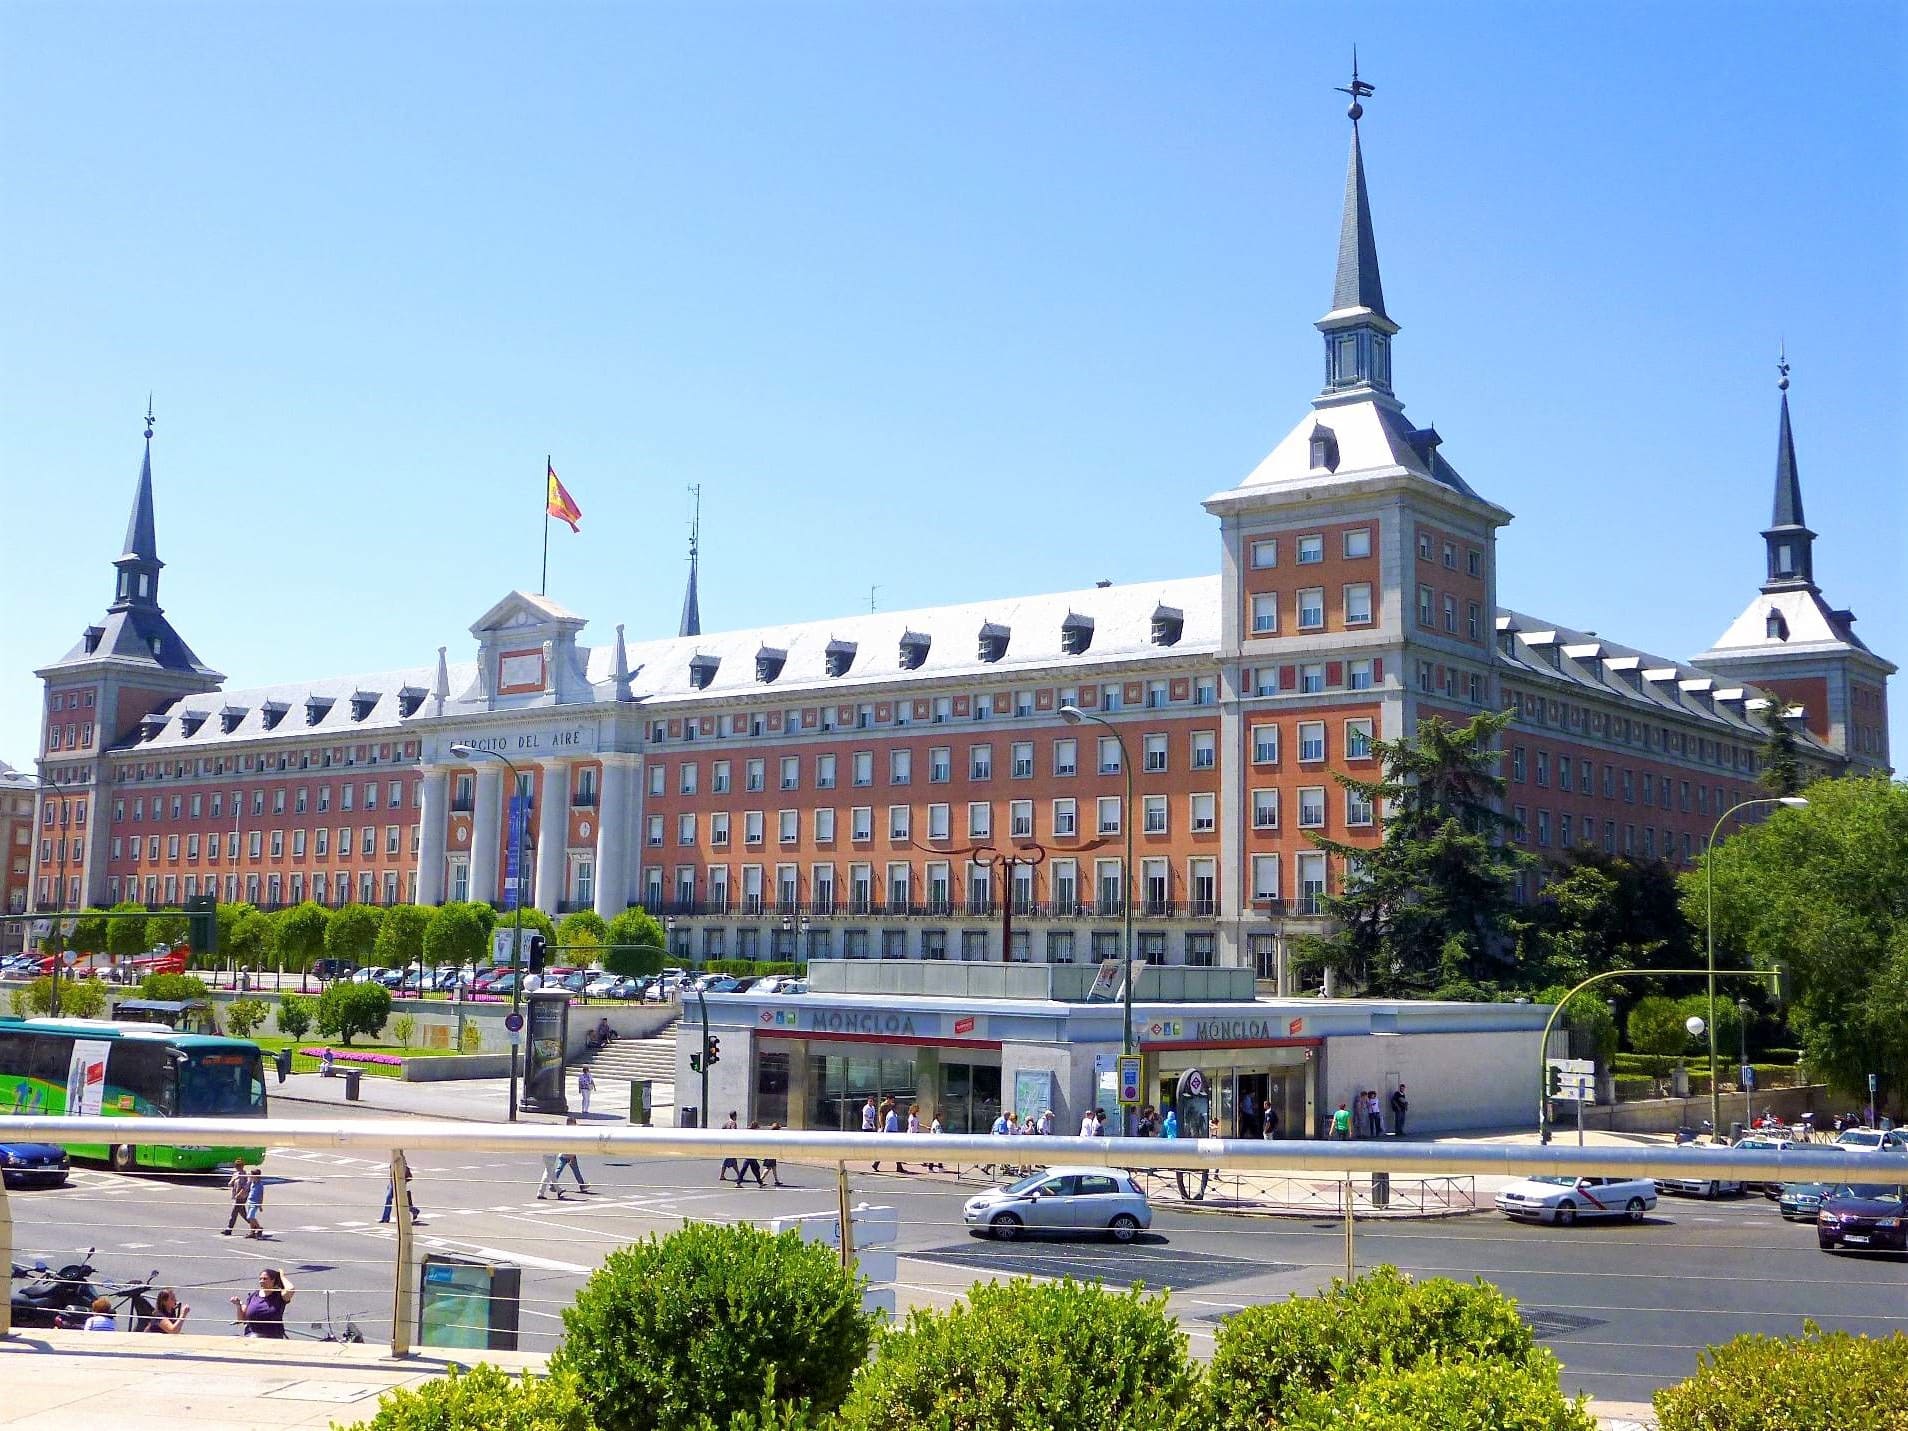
(1556, 1181)
(1026, 1184)
(1876, 1192)
(221, 1082)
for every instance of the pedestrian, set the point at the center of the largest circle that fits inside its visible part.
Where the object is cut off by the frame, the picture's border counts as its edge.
(1377, 1116)
(1249, 1115)
(552, 1173)
(751, 1165)
(102, 1318)
(1400, 1105)
(240, 1188)
(1099, 1122)
(729, 1164)
(1269, 1125)
(168, 1314)
(1342, 1124)
(1046, 1122)
(1169, 1125)
(769, 1163)
(390, 1195)
(891, 1123)
(585, 1086)
(1088, 1127)
(263, 1313)
(1147, 1125)
(871, 1122)
(255, 1198)
(576, 1168)
(935, 1130)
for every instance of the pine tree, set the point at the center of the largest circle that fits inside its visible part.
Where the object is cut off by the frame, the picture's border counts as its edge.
(1430, 909)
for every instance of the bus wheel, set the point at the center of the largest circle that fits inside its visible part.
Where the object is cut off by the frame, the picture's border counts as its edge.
(124, 1158)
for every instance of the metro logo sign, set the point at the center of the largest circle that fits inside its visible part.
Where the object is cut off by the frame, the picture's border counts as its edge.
(964, 1025)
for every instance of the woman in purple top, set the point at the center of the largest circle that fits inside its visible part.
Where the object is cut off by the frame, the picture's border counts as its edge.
(263, 1313)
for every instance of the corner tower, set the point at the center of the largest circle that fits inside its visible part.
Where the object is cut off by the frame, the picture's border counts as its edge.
(1790, 641)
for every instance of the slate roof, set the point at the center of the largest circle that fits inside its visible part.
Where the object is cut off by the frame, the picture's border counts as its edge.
(1358, 284)
(1372, 436)
(335, 723)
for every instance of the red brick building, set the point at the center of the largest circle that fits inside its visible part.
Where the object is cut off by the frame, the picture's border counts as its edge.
(850, 787)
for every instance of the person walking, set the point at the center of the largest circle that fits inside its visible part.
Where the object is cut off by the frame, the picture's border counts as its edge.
(769, 1163)
(891, 1123)
(1400, 1105)
(262, 1314)
(1046, 1122)
(1249, 1115)
(1342, 1124)
(390, 1196)
(729, 1164)
(576, 1168)
(1169, 1125)
(255, 1198)
(585, 1086)
(1088, 1126)
(240, 1188)
(552, 1174)
(871, 1122)
(1269, 1125)
(935, 1130)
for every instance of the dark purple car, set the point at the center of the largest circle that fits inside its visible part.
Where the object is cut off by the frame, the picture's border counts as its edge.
(1863, 1215)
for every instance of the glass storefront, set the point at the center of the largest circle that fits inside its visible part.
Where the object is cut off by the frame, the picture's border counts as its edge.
(1244, 1079)
(965, 1094)
(970, 1097)
(838, 1087)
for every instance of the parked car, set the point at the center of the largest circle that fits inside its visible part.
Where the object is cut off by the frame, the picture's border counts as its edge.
(1768, 1143)
(33, 1165)
(793, 986)
(1800, 1202)
(1863, 1215)
(575, 981)
(601, 987)
(1873, 1140)
(746, 983)
(1695, 1186)
(1562, 1200)
(1078, 1200)
(325, 970)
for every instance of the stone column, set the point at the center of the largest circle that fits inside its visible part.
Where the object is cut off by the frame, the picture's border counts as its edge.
(486, 823)
(553, 835)
(432, 801)
(613, 879)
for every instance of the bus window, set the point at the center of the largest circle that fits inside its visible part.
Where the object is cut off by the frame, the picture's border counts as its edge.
(219, 1082)
(143, 1068)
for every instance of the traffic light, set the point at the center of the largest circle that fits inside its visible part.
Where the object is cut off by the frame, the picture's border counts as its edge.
(202, 923)
(714, 1054)
(534, 945)
(1554, 1080)
(695, 1062)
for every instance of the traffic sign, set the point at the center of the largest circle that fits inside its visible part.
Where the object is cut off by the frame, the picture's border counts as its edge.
(42, 928)
(1129, 1078)
(513, 1022)
(67, 926)
(1572, 1080)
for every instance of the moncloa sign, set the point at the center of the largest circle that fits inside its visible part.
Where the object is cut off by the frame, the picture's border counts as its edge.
(867, 1021)
(1222, 1030)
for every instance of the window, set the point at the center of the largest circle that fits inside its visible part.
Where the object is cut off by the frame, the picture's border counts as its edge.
(1474, 685)
(1311, 807)
(980, 819)
(1358, 674)
(1310, 550)
(1019, 819)
(1311, 679)
(1023, 753)
(719, 828)
(1450, 614)
(1450, 556)
(1064, 819)
(1311, 608)
(980, 762)
(1204, 813)
(1109, 810)
(1358, 604)
(655, 829)
(900, 767)
(1265, 613)
(719, 778)
(1060, 946)
(1153, 820)
(1358, 739)
(1265, 809)
(898, 821)
(1205, 749)
(825, 825)
(1265, 879)
(1109, 755)
(1265, 553)
(1474, 621)
(1357, 808)
(1311, 881)
(788, 826)
(1474, 563)
(1542, 766)
(940, 764)
(1311, 734)
(754, 775)
(1205, 691)
(863, 768)
(1066, 756)
(751, 827)
(1155, 753)
(1426, 606)
(1265, 745)
(1424, 546)
(861, 823)
(791, 777)
(1358, 543)
(938, 822)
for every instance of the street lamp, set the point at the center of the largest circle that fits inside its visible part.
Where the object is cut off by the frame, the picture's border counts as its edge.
(1073, 715)
(59, 899)
(1794, 802)
(1742, 1070)
(516, 892)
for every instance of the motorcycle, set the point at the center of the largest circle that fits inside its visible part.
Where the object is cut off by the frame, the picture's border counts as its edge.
(49, 1295)
(133, 1308)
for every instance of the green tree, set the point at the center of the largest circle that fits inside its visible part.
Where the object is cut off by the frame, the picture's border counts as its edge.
(89, 933)
(229, 917)
(1602, 912)
(301, 933)
(1432, 908)
(294, 1015)
(1782, 772)
(1656, 1030)
(254, 936)
(585, 932)
(455, 935)
(126, 937)
(244, 1015)
(79, 998)
(169, 987)
(352, 932)
(401, 935)
(345, 1009)
(641, 936)
(1823, 891)
(1063, 1356)
(167, 927)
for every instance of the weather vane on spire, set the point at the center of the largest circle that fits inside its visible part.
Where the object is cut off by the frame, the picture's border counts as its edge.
(148, 417)
(1782, 364)
(1357, 89)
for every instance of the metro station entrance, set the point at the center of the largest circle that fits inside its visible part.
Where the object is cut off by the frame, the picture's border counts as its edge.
(1244, 1081)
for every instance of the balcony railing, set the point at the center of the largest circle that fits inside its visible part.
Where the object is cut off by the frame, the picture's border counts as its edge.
(1159, 907)
(1203, 907)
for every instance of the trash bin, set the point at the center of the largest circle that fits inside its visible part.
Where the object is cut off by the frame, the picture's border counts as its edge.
(639, 1102)
(352, 1077)
(686, 1118)
(1381, 1190)
(1735, 1131)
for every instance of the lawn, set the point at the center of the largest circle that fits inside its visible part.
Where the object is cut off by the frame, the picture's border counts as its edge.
(304, 1063)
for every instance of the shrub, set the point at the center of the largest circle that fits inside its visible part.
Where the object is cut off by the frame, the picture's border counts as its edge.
(456, 935)
(642, 937)
(401, 933)
(126, 934)
(242, 1016)
(294, 1015)
(1820, 1381)
(482, 1399)
(583, 931)
(403, 1030)
(1451, 1396)
(346, 1009)
(672, 1332)
(1265, 1357)
(180, 987)
(79, 998)
(1063, 1356)
(352, 931)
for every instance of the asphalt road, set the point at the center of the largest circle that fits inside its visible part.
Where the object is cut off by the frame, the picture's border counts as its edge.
(1625, 1307)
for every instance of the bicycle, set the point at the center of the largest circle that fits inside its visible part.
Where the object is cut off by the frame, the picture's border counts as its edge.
(329, 1331)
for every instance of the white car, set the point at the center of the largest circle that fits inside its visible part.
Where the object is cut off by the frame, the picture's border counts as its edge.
(1872, 1140)
(600, 986)
(1700, 1187)
(1562, 1200)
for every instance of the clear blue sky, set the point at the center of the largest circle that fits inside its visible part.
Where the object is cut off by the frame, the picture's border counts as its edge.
(952, 299)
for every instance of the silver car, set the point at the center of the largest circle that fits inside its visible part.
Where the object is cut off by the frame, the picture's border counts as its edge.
(1080, 1200)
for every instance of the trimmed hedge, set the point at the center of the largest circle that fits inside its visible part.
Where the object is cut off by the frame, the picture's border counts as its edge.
(482, 1399)
(1820, 1381)
(1060, 1356)
(1448, 1396)
(743, 968)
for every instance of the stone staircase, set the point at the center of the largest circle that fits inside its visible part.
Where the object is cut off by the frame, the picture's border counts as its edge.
(628, 1059)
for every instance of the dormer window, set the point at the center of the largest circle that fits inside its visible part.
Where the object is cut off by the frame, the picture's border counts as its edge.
(1324, 449)
(1076, 634)
(914, 650)
(993, 641)
(190, 722)
(229, 719)
(158, 646)
(410, 701)
(1169, 624)
(362, 704)
(702, 670)
(839, 656)
(93, 634)
(272, 712)
(151, 725)
(768, 663)
(1776, 627)
(1785, 559)
(317, 708)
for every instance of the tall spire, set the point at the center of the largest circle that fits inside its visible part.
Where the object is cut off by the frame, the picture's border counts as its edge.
(691, 624)
(1788, 539)
(1357, 330)
(138, 564)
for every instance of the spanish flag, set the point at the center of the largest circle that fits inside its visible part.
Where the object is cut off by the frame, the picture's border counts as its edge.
(560, 504)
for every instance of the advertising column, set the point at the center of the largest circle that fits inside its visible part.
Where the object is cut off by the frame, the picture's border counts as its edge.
(546, 1036)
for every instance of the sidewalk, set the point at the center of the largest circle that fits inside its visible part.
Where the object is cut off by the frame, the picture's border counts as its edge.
(94, 1381)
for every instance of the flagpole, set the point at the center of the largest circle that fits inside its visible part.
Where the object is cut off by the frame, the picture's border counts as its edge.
(543, 583)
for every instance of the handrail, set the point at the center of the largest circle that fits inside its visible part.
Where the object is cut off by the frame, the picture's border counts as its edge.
(1322, 1156)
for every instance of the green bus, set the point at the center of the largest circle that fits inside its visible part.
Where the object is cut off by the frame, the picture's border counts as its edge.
(95, 1068)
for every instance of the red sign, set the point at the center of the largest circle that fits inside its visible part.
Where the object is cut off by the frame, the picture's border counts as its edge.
(1297, 1026)
(964, 1026)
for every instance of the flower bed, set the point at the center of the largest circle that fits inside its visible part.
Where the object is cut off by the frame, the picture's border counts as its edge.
(347, 1055)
